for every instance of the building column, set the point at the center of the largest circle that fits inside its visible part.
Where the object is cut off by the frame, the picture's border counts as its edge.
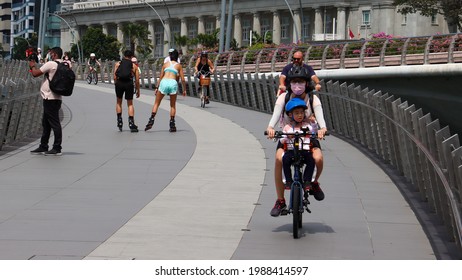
(152, 31)
(318, 24)
(217, 22)
(341, 23)
(276, 28)
(200, 25)
(166, 36)
(238, 29)
(297, 32)
(120, 35)
(256, 27)
(184, 27)
(105, 28)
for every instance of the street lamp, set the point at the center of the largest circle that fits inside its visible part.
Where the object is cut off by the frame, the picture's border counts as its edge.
(161, 21)
(72, 32)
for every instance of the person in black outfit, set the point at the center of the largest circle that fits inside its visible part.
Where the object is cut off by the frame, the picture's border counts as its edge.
(51, 105)
(204, 66)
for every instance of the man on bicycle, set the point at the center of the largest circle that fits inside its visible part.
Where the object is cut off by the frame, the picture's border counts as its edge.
(92, 62)
(204, 67)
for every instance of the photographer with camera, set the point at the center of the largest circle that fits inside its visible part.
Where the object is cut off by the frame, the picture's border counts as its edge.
(51, 104)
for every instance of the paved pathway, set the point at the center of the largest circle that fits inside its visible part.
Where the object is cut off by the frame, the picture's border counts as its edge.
(204, 192)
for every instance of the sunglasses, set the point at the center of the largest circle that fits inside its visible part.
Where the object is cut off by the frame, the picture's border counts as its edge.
(297, 58)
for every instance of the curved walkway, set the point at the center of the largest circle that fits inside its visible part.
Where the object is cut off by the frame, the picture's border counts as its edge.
(202, 193)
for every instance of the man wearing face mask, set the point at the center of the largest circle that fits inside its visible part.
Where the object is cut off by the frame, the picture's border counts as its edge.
(297, 59)
(298, 79)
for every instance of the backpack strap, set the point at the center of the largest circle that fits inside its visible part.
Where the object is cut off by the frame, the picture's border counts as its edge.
(47, 74)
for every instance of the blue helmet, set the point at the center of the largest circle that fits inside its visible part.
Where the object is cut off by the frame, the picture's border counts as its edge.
(295, 103)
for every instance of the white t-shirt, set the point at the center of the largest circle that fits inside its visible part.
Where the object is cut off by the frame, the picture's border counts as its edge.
(50, 68)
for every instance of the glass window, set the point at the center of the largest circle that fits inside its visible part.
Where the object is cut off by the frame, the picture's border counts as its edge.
(366, 17)
(192, 30)
(434, 20)
(209, 27)
(246, 30)
(285, 25)
(404, 20)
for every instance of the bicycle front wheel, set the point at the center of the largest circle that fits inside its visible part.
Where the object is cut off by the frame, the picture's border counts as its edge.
(89, 78)
(202, 95)
(297, 210)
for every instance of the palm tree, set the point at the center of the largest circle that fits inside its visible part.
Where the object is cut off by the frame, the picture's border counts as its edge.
(137, 35)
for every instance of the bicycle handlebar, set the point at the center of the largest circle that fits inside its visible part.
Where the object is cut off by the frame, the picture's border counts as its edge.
(304, 132)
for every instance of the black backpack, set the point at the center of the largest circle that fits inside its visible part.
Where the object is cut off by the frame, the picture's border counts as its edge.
(124, 71)
(63, 80)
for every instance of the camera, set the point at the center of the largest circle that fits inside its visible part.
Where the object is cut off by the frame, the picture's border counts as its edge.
(31, 54)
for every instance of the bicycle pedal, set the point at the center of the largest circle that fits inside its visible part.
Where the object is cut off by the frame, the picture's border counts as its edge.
(308, 210)
(284, 212)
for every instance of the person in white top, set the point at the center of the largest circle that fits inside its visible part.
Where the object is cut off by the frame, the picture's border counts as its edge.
(51, 105)
(167, 58)
(299, 88)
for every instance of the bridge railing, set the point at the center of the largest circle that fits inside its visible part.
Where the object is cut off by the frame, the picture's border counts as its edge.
(425, 50)
(398, 133)
(20, 103)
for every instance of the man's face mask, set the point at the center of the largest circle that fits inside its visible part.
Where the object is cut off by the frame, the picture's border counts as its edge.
(298, 88)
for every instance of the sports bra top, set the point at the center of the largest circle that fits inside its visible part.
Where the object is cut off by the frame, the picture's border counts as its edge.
(171, 68)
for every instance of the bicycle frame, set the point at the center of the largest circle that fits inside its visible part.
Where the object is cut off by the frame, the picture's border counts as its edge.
(298, 195)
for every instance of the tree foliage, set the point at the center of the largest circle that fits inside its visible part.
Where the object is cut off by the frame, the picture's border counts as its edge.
(450, 9)
(95, 41)
(138, 37)
(20, 45)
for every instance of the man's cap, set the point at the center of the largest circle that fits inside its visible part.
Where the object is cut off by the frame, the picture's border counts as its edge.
(170, 50)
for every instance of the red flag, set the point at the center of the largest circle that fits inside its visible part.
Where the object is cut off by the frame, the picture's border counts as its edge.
(351, 33)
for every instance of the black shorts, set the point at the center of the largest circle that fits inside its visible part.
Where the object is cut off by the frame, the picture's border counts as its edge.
(127, 88)
(315, 143)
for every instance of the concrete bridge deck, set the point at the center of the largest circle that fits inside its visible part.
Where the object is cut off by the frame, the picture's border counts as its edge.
(204, 192)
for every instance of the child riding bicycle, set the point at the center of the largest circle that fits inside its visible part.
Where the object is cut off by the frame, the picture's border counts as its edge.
(295, 109)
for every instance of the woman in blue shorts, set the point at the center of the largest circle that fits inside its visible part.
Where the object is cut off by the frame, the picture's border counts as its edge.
(168, 85)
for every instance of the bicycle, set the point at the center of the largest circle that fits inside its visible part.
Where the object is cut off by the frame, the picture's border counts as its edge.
(92, 77)
(299, 201)
(204, 81)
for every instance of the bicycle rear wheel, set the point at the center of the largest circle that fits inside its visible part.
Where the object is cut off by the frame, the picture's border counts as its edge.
(95, 78)
(297, 210)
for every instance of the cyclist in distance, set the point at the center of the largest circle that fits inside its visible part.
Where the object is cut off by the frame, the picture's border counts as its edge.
(92, 62)
(204, 66)
(299, 87)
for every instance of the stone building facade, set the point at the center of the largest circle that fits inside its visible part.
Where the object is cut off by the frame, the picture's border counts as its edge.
(287, 22)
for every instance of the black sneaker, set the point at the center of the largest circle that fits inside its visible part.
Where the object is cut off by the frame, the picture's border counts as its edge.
(150, 124)
(120, 123)
(39, 151)
(316, 191)
(53, 152)
(172, 126)
(278, 207)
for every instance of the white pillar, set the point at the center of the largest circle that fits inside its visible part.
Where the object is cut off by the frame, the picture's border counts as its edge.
(166, 36)
(238, 29)
(276, 28)
(184, 27)
(217, 22)
(341, 23)
(297, 26)
(120, 35)
(318, 24)
(256, 27)
(152, 31)
(200, 25)
(104, 28)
